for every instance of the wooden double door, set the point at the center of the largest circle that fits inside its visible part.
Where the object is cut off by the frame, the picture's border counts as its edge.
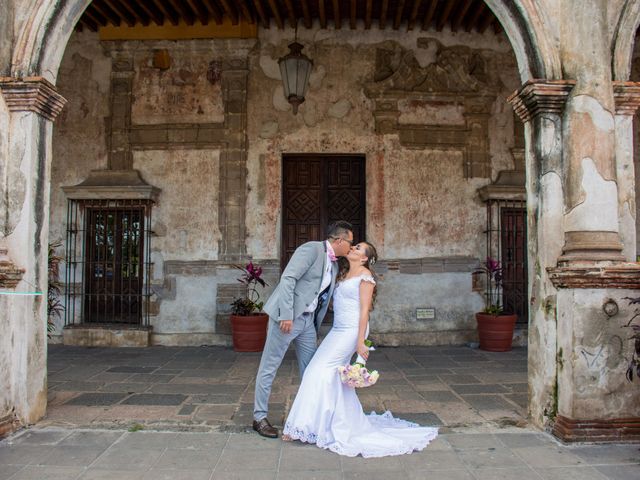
(318, 190)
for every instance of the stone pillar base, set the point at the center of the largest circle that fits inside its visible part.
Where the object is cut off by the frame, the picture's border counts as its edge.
(612, 430)
(8, 425)
(591, 246)
(87, 335)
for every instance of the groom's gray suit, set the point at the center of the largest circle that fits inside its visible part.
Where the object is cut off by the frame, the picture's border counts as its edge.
(298, 288)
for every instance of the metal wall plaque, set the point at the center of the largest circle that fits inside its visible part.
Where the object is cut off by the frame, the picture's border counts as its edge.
(425, 313)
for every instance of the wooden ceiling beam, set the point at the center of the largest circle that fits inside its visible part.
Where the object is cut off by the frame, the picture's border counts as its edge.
(353, 14)
(261, 13)
(90, 24)
(477, 13)
(201, 11)
(486, 21)
(414, 14)
(322, 14)
(276, 14)
(383, 14)
(446, 13)
(246, 13)
(428, 16)
(308, 22)
(455, 24)
(187, 15)
(111, 16)
(291, 13)
(231, 13)
(145, 13)
(126, 15)
(367, 15)
(214, 11)
(158, 11)
(337, 19)
(399, 12)
(95, 16)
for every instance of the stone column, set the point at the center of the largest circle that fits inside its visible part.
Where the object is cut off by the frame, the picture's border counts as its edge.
(627, 101)
(33, 105)
(589, 169)
(577, 345)
(540, 104)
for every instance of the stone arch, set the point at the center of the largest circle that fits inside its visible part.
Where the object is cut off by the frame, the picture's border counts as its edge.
(527, 28)
(44, 36)
(623, 40)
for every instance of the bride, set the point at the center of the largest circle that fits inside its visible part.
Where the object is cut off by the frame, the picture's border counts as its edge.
(327, 412)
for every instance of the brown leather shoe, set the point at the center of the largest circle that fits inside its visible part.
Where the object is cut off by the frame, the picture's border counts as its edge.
(264, 428)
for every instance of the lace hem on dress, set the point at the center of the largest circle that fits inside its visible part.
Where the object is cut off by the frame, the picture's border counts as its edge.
(386, 420)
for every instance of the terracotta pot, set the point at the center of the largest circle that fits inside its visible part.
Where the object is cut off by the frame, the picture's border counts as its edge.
(249, 332)
(495, 331)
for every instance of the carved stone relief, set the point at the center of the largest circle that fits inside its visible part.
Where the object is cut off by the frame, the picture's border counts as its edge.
(458, 75)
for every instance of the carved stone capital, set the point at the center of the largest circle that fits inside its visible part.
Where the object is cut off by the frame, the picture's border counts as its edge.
(537, 97)
(627, 97)
(10, 275)
(592, 275)
(32, 94)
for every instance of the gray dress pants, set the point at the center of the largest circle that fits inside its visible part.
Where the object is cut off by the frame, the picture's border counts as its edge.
(303, 332)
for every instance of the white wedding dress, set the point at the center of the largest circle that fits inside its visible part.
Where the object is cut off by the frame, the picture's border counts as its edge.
(328, 413)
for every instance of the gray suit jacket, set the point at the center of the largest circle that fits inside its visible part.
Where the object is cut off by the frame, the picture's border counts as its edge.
(300, 284)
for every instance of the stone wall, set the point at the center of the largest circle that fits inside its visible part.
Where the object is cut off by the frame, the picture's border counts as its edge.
(429, 113)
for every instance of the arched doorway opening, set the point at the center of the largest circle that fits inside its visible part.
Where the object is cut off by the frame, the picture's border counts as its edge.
(42, 44)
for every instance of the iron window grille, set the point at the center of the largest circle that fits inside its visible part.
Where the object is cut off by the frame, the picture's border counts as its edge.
(108, 267)
(506, 237)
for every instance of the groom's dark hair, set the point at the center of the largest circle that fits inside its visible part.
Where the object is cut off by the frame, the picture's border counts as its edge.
(339, 229)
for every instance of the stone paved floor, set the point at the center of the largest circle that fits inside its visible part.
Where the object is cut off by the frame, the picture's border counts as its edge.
(211, 388)
(54, 453)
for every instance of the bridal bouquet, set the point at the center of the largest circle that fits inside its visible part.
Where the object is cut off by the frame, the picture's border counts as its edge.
(356, 375)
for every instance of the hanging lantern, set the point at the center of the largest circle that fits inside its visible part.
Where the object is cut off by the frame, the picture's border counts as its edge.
(295, 69)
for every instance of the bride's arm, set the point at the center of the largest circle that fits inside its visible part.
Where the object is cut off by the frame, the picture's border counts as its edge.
(366, 296)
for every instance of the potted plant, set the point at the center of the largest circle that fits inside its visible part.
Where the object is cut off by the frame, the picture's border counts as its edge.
(495, 327)
(54, 292)
(248, 324)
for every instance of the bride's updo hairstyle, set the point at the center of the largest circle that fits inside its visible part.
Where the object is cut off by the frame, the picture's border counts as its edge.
(372, 258)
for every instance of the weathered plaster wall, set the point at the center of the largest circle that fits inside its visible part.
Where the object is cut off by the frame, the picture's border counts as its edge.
(420, 205)
(180, 93)
(185, 218)
(337, 117)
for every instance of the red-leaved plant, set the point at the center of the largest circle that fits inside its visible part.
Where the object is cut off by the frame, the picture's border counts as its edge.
(493, 271)
(250, 303)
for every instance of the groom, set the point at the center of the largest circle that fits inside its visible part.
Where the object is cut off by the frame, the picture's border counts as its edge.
(296, 309)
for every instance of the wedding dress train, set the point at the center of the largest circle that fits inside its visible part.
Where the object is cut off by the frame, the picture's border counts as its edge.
(328, 413)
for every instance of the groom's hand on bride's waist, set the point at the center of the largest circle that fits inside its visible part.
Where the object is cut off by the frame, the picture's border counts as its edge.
(285, 326)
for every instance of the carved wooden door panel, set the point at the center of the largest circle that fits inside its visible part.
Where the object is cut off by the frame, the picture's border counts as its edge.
(318, 190)
(514, 262)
